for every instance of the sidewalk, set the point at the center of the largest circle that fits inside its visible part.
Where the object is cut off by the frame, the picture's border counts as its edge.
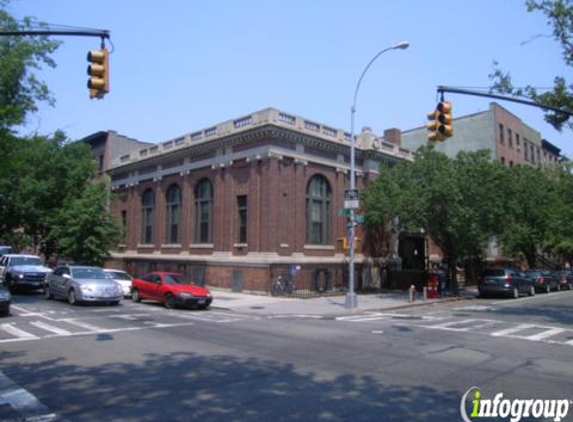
(322, 306)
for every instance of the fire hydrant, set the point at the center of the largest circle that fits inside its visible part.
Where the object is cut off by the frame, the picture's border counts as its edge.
(412, 291)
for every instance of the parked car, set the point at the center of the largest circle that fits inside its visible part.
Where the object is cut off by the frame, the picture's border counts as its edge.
(122, 278)
(23, 271)
(78, 283)
(564, 279)
(170, 289)
(543, 279)
(5, 300)
(4, 249)
(505, 282)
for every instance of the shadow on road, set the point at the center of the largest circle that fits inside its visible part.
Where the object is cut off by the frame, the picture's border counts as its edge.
(187, 387)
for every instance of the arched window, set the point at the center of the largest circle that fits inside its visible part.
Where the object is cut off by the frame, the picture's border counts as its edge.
(147, 209)
(173, 214)
(203, 211)
(318, 199)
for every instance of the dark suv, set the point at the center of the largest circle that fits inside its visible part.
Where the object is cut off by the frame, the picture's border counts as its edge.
(505, 282)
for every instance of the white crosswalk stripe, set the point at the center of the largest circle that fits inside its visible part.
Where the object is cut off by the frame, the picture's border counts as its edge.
(18, 333)
(481, 326)
(50, 328)
(51, 325)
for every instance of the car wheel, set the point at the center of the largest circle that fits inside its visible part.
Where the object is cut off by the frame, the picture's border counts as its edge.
(5, 313)
(114, 303)
(169, 301)
(515, 293)
(48, 293)
(72, 297)
(203, 307)
(135, 295)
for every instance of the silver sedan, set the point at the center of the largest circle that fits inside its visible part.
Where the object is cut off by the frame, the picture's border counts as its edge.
(82, 284)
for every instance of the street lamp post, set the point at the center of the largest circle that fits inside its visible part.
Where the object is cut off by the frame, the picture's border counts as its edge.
(351, 299)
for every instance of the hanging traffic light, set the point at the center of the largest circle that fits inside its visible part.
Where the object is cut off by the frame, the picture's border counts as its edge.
(98, 71)
(434, 126)
(445, 118)
(440, 125)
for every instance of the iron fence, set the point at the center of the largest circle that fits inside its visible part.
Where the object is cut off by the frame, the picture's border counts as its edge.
(308, 280)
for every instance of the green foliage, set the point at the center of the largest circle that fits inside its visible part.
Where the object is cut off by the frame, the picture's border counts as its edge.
(20, 89)
(532, 202)
(88, 231)
(560, 18)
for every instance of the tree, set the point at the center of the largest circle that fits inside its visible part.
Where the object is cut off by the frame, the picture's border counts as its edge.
(87, 230)
(532, 213)
(450, 199)
(560, 17)
(20, 89)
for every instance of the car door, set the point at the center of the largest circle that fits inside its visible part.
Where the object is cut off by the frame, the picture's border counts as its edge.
(146, 286)
(157, 287)
(60, 282)
(3, 265)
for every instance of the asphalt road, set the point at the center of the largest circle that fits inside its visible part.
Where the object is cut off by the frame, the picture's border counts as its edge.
(142, 362)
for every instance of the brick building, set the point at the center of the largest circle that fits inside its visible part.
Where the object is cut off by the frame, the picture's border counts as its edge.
(239, 203)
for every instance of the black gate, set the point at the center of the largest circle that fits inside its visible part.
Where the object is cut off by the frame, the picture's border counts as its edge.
(308, 280)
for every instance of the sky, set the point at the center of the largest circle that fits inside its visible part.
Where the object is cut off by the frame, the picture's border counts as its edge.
(183, 65)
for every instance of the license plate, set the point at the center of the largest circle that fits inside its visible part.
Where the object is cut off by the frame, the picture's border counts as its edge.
(201, 301)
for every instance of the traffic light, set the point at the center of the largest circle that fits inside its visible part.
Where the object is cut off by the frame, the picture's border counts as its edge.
(440, 125)
(98, 71)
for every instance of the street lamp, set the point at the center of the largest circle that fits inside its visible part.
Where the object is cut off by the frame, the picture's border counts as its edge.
(351, 299)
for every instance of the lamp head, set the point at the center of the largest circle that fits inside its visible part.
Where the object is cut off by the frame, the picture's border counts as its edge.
(401, 45)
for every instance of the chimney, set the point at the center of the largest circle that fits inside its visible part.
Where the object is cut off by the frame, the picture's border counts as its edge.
(393, 136)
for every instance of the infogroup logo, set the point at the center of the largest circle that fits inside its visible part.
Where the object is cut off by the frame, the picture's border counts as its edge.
(514, 409)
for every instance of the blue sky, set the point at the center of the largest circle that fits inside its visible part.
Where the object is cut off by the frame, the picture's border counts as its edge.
(183, 65)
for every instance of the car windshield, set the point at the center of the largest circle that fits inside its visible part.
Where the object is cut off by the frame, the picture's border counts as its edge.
(118, 275)
(172, 279)
(88, 273)
(26, 260)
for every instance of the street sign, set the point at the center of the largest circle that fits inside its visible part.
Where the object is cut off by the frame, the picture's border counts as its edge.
(350, 194)
(351, 199)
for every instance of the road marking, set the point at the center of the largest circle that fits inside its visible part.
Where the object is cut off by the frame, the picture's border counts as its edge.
(30, 408)
(510, 331)
(20, 334)
(546, 334)
(51, 328)
(83, 324)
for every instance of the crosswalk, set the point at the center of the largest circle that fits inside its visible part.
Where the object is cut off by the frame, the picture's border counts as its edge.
(480, 326)
(30, 324)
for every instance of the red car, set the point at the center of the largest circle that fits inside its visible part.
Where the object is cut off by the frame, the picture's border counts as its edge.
(171, 290)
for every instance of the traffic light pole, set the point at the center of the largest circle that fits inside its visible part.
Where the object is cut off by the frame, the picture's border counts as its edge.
(102, 33)
(441, 89)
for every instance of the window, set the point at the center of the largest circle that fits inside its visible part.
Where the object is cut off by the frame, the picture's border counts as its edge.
(147, 209)
(509, 138)
(124, 219)
(501, 140)
(242, 208)
(203, 209)
(173, 214)
(517, 143)
(318, 199)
